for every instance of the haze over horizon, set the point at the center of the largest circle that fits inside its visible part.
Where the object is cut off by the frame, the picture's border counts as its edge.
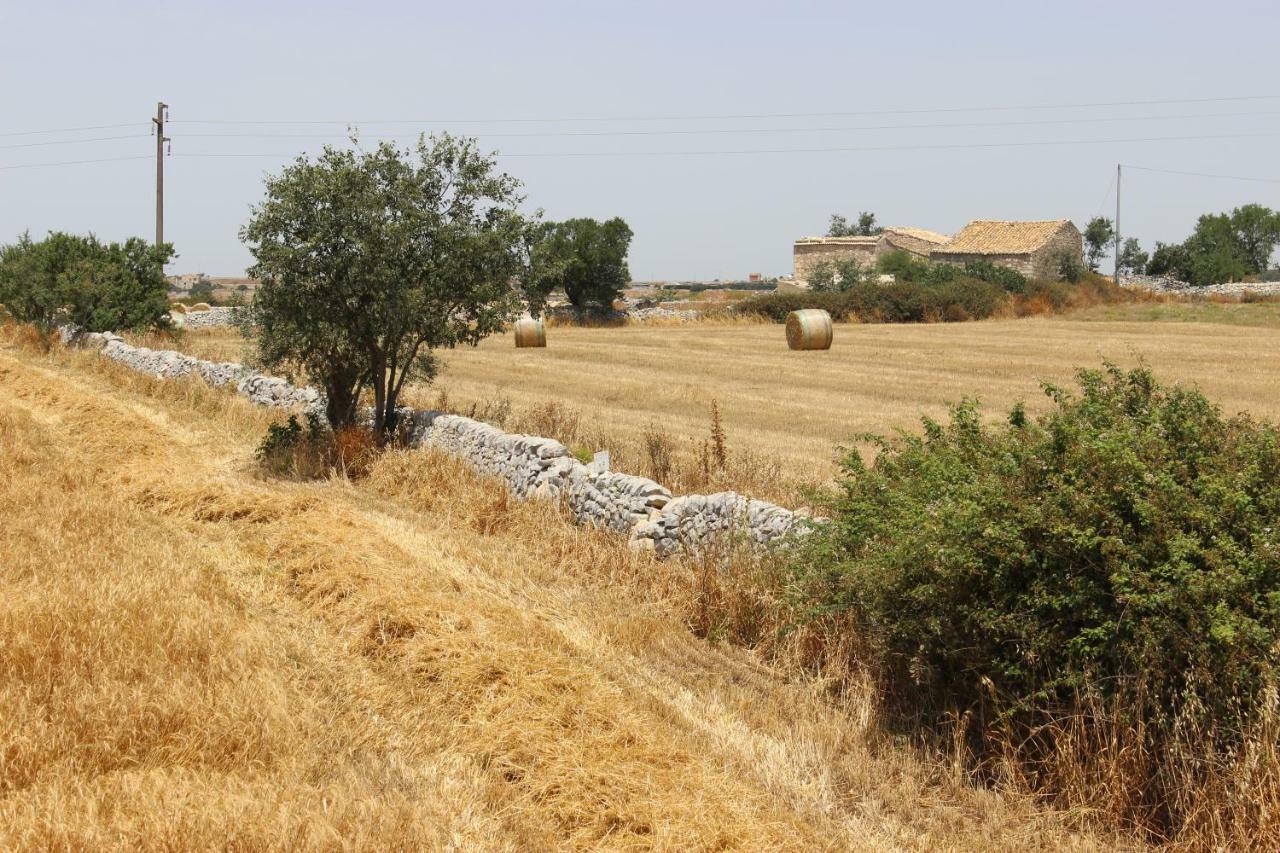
(719, 132)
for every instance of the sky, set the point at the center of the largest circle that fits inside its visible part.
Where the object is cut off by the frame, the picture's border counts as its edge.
(720, 131)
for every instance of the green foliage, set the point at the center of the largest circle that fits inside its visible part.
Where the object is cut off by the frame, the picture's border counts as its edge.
(1123, 545)
(1069, 268)
(1223, 247)
(202, 291)
(838, 276)
(904, 266)
(864, 227)
(585, 258)
(370, 261)
(1133, 261)
(1169, 259)
(898, 302)
(1098, 236)
(68, 278)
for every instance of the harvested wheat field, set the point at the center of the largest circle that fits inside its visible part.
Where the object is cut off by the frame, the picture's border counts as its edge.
(194, 656)
(644, 390)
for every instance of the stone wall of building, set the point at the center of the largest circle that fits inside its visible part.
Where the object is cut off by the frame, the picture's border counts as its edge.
(1046, 262)
(1024, 264)
(809, 252)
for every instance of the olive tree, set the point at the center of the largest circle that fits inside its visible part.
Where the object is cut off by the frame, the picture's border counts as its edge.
(372, 261)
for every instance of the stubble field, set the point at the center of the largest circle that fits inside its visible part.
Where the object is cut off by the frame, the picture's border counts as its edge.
(786, 413)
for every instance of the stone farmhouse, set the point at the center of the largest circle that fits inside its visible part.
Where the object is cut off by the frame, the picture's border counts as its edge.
(811, 251)
(1033, 248)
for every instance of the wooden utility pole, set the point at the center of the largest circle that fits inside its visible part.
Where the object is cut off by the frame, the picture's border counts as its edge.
(162, 110)
(1117, 268)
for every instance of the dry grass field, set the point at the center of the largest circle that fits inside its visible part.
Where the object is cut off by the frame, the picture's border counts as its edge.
(784, 412)
(193, 656)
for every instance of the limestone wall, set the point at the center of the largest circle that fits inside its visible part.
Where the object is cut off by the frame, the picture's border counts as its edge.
(216, 316)
(167, 364)
(531, 466)
(809, 252)
(535, 467)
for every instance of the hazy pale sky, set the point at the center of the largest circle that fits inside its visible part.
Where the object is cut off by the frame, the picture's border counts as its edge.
(543, 82)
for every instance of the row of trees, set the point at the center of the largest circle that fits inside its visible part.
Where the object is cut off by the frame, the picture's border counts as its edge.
(1223, 247)
(371, 261)
(69, 278)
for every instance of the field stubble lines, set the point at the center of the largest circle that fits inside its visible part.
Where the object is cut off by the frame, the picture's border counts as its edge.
(596, 720)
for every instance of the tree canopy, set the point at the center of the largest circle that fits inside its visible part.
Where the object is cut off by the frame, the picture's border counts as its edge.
(1098, 235)
(79, 280)
(584, 257)
(1223, 247)
(1133, 260)
(370, 261)
(864, 227)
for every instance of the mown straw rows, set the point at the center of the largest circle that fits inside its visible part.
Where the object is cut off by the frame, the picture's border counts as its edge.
(193, 656)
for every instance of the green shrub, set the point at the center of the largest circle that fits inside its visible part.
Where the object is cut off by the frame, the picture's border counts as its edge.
(1124, 546)
(896, 302)
(776, 306)
(1070, 269)
(97, 286)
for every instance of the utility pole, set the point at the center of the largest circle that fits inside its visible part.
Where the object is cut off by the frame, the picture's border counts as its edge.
(1117, 269)
(162, 110)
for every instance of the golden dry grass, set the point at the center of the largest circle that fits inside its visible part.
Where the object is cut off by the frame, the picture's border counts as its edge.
(194, 657)
(797, 406)
(785, 412)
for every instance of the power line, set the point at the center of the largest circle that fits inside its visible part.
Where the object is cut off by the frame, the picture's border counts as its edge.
(1204, 174)
(76, 162)
(748, 130)
(834, 149)
(748, 151)
(1110, 185)
(69, 129)
(921, 111)
(72, 141)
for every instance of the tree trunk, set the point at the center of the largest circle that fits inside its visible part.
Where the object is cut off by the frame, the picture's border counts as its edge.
(342, 393)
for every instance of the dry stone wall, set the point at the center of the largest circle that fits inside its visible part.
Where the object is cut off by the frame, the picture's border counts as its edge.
(655, 520)
(532, 467)
(1165, 284)
(261, 389)
(215, 316)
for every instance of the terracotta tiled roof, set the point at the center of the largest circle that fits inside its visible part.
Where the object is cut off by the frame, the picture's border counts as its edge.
(919, 234)
(999, 237)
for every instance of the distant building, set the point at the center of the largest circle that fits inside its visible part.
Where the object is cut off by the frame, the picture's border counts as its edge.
(808, 252)
(753, 277)
(1033, 248)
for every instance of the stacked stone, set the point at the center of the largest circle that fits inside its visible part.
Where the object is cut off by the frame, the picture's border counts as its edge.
(692, 523)
(618, 502)
(216, 316)
(167, 364)
(533, 466)
(1164, 284)
(646, 511)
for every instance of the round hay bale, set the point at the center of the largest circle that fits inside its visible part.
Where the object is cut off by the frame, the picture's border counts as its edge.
(531, 333)
(199, 306)
(809, 328)
(177, 308)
